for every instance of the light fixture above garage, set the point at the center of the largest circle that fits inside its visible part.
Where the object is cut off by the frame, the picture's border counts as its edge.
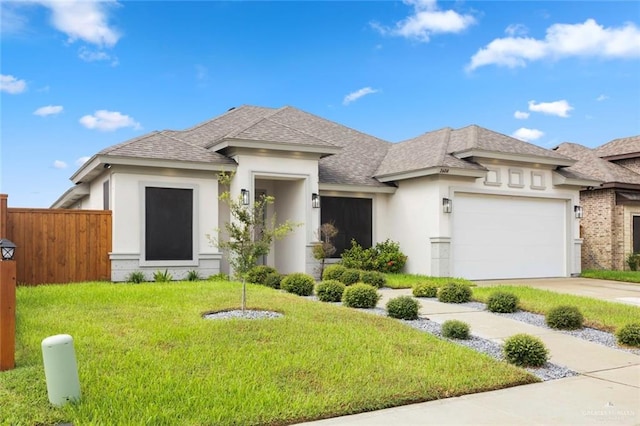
(315, 201)
(578, 211)
(245, 197)
(447, 205)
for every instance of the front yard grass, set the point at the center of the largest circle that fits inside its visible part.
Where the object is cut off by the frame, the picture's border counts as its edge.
(626, 276)
(396, 281)
(600, 314)
(146, 356)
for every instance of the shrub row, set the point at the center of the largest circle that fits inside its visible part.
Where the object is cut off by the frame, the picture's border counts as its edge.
(349, 276)
(383, 257)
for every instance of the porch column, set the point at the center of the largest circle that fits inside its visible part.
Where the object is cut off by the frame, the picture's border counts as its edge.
(440, 256)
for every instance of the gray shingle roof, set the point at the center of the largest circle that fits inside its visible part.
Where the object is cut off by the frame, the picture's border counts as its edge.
(590, 165)
(622, 146)
(165, 146)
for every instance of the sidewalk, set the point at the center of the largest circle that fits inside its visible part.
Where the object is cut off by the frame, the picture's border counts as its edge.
(607, 391)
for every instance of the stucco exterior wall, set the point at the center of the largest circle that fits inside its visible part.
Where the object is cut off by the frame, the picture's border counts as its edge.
(127, 189)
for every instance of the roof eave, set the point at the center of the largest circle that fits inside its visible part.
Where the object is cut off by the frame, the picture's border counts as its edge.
(507, 156)
(430, 171)
(626, 156)
(71, 196)
(97, 163)
(340, 187)
(561, 180)
(321, 150)
(621, 185)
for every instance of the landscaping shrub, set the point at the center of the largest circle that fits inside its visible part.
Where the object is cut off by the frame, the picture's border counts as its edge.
(333, 272)
(374, 278)
(454, 293)
(330, 290)
(525, 350)
(350, 276)
(564, 318)
(258, 274)
(403, 307)
(162, 277)
(629, 334)
(219, 277)
(193, 275)
(425, 290)
(360, 296)
(136, 277)
(298, 283)
(383, 257)
(502, 302)
(455, 329)
(273, 280)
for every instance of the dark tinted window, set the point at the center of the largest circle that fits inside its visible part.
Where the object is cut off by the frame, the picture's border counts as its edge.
(169, 224)
(352, 217)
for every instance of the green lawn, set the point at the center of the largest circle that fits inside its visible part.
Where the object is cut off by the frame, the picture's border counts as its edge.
(146, 356)
(408, 280)
(598, 314)
(627, 276)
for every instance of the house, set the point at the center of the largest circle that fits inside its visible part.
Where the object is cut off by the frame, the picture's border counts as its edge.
(464, 202)
(611, 223)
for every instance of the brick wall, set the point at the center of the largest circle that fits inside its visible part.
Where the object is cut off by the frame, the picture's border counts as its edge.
(596, 228)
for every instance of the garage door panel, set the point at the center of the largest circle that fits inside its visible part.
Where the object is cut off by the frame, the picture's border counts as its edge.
(508, 237)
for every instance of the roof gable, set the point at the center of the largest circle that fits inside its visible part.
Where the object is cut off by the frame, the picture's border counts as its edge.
(590, 165)
(620, 148)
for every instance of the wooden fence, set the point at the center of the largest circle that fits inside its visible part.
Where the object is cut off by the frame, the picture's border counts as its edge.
(58, 246)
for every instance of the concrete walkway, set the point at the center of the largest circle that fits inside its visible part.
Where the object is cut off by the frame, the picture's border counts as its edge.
(607, 391)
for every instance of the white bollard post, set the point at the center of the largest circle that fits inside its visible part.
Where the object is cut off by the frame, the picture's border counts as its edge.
(60, 369)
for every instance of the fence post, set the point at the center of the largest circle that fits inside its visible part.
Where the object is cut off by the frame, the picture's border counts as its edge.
(7, 314)
(3, 215)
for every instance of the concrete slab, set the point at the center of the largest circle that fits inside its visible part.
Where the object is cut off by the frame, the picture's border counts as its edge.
(490, 326)
(573, 401)
(629, 376)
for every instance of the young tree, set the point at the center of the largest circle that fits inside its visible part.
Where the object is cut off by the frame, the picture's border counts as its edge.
(325, 248)
(249, 234)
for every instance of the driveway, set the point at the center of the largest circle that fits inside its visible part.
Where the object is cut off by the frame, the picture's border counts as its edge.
(614, 291)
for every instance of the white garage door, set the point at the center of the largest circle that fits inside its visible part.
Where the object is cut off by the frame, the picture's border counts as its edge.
(496, 237)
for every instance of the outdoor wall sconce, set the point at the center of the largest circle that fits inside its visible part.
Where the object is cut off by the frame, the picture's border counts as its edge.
(107, 166)
(315, 201)
(7, 248)
(578, 211)
(245, 197)
(447, 205)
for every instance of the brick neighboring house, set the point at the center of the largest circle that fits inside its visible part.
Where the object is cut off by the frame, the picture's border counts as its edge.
(610, 226)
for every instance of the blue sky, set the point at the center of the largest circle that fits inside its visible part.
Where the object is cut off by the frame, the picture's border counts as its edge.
(78, 76)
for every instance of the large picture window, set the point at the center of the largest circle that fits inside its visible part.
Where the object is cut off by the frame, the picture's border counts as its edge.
(352, 217)
(168, 223)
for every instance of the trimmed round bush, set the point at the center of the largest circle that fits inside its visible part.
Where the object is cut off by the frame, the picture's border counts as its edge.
(564, 318)
(403, 307)
(298, 283)
(454, 293)
(273, 280)
(629, 334)
(525, 350)
(258, 274)
(360, 296)
(502, 302)
(330, 290)
(350, 276)
(374, 278)
(455, 329)
(425, 290)
(333, 272)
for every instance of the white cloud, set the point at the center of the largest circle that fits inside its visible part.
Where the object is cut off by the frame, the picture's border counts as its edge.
(11, 22)
(84, 20)
(427, 19)
(559, 108)
(89, 55)
(48, 110)
(602, 97)
(516, 30)
(80, 161)
(521, 115)
(58, 164)
(354, 96)
(108, 121)
(527, 135)
(12, 85)
(588, 39)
